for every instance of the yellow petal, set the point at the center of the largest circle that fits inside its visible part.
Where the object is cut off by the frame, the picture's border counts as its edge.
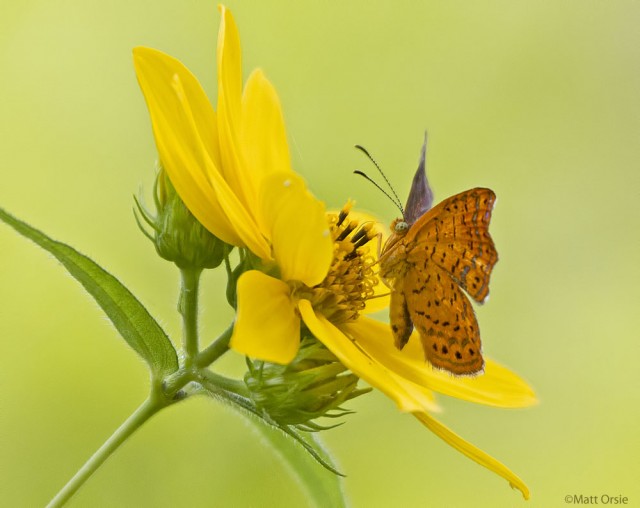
(267, 326)
(359, 362)
(356, 360)
(472, 452)
(498, 386)
(229, 57)
(297, 225)
(184, 126)
(263, 136)
(184, 143)
(420, 394)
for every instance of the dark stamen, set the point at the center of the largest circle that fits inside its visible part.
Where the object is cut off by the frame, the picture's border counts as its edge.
(361, 241)
(347, 231)
(358, 235)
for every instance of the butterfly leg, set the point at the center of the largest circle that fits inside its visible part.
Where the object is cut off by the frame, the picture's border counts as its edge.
(401, 324)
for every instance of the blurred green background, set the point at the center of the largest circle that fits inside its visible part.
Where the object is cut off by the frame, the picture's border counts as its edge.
(538, 100)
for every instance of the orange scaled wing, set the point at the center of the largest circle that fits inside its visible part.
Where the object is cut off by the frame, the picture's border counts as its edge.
(454, 235)
(447, 249)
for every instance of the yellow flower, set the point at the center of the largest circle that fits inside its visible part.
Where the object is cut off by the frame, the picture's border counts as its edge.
(270, 312)
(232, 170)
(223, 163)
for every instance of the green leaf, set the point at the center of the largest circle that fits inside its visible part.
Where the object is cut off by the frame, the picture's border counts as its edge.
(304, 456)
(127, 314)
(322, 486)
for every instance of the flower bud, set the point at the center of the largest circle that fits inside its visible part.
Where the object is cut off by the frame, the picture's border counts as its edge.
(313, 385)
(177, 234)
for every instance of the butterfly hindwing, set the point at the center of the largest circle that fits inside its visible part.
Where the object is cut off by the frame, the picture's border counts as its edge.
(454, 235)
(401, 324)
(445, 320)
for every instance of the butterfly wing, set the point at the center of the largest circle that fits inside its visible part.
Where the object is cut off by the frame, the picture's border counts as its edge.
(454, 235)
(444, 318)
(446, 250)
(399, 317)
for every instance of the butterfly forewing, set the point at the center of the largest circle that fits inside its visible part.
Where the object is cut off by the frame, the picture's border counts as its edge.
(454, 235)
(445, 320)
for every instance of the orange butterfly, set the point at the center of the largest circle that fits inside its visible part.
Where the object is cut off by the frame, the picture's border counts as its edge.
(431, 256)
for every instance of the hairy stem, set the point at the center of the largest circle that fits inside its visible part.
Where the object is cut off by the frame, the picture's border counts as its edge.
(188, 308)
(216, 349)
(148, 408)
(163, 393)
(231, 385)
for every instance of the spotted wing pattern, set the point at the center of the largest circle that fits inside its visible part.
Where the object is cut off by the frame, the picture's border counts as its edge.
(446, 250)
(445, 320)
(454, 235)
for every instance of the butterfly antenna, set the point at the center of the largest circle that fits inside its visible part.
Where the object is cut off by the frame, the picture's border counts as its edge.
(367, 177)
(396, 201)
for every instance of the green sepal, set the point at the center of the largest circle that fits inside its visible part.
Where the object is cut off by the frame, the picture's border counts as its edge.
(248, 261)
(303, 454)
(128, 315)
(313, 385)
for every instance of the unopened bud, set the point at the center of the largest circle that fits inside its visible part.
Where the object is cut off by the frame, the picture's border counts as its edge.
(177, 234)
(315, 384)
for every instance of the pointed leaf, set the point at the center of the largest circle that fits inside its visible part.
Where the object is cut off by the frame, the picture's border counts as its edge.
(127, 314)
(321, 484)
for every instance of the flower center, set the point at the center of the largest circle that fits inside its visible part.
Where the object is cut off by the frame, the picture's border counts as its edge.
(342, 295)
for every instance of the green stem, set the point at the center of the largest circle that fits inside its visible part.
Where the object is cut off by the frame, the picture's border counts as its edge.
(216, 349)
(188, 308)
(157, 401)
(228, 384)
(148, 408)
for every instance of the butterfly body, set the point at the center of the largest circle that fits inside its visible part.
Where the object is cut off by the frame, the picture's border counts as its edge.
(428, 261)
